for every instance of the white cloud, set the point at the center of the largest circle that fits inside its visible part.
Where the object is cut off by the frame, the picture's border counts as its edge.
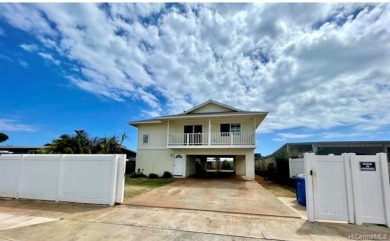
(316, 66)
(13, 125)
(23, 63)
(282, 137)
(49, 58)
(27, 18)
(29, 47)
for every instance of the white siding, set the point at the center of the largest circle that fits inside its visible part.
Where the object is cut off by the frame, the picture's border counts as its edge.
(157, 136)
(210, 108)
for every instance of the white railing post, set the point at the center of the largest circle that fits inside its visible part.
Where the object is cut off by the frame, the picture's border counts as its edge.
(209, 137)
(168, 134)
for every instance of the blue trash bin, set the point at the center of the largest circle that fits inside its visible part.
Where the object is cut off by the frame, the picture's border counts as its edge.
(301, 192)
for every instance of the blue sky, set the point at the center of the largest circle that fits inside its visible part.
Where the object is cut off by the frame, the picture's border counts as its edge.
(320, 70)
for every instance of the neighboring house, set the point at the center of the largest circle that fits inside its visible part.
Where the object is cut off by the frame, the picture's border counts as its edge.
(130, 156)
(211, 137)
(338, 147)
(19, 149)
(261, 164)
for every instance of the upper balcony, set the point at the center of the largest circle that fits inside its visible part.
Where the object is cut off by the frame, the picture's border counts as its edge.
(212, 140)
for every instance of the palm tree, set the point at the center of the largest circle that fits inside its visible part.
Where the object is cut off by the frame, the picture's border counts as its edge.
(82, 143)
(111, 145)
(63, 145)
(3, 137)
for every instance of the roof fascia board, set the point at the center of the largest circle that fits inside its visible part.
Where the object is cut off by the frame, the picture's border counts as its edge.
(211, 115)
(134, 123)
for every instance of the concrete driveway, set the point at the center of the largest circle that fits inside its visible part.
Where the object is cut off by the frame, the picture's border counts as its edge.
(41, 220)
(126, 222)
(228, 195)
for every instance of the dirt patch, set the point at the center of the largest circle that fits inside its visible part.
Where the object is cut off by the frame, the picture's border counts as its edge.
(276, 189)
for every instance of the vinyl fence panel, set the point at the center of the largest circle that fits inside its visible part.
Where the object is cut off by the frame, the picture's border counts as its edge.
(371, 188)
(330, 188)
(348, 188)
(39, 177)
(296, 166)
(9, 175)
(71, 178)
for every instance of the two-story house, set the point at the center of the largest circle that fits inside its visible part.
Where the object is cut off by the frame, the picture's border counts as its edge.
(211, 137)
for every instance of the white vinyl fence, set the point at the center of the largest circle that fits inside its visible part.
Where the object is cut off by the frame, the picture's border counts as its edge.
(97, 179)
(348, 188)
(296, 166)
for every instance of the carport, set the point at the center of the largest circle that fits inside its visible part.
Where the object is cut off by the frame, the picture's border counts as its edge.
(216, 165)
(214, 162)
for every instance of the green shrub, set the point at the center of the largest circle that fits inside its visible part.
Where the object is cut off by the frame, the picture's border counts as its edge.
(153, 176)
(282, 168)
(271, 169)
(136, 175)
(166, 175)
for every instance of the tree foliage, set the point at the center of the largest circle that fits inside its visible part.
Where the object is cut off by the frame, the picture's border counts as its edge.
(82, 143)
(282, 167)
(3, 137)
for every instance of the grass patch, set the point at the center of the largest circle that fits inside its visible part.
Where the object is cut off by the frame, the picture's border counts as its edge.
(276, 189)
(137, 186)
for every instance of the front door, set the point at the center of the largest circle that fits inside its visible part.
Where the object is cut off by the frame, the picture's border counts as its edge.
(178, 165)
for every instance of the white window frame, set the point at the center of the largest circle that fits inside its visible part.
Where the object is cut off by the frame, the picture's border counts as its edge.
(147, 139)
(235, 128)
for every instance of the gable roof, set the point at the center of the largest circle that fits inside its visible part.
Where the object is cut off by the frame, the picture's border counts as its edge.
(226, 110)
(211, 102)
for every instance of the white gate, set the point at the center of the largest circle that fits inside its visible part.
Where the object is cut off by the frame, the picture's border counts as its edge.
(178, 165)
(348, 188)
(369, 187)
(95, 179)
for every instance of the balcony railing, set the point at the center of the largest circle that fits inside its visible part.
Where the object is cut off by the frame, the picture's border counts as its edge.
(214, 139)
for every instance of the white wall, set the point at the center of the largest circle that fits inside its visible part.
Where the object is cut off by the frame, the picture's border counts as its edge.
(240, 165)
(157, 136)
(95, 179)
(296, 166)
(250, 165)
(154, 161)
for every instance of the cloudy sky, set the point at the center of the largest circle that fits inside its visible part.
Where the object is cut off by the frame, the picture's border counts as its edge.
(320, 70)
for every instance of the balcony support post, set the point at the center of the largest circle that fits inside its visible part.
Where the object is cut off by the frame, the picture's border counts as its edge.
(254, 130)
(209, 136)
(168, 134)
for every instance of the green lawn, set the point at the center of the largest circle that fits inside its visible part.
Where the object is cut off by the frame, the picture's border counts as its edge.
(137, 186)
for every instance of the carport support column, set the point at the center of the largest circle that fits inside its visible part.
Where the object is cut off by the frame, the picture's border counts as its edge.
(250, 165)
